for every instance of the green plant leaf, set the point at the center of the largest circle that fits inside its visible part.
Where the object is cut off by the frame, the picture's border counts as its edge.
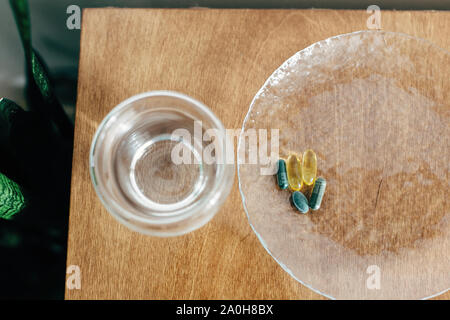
(8, 109)
(12, 199)
(21, 14)
(35, 67)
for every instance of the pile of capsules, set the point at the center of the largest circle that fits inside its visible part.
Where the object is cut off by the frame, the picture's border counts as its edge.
(299, 175)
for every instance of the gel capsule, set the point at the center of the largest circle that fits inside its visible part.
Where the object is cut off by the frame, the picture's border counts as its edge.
(300, 202)
(309, 167)
(282, 175)
(294, 172)
(317, 194)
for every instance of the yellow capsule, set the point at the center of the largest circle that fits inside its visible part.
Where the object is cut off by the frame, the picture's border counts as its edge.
(309, 167)
(294, 172)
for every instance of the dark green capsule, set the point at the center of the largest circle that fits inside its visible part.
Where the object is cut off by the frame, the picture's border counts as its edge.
(300, 202)
(282, 175)
(317, 193)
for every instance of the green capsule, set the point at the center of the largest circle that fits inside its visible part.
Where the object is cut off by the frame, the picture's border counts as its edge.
(317, 194)
(300, 202)
(282, 175)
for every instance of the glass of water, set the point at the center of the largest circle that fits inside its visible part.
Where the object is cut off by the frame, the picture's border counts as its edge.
(148, 164)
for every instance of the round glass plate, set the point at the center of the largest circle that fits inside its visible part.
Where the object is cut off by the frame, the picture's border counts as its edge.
(375, 107)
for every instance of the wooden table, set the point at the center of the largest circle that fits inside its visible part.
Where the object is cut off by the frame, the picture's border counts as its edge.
(220, 57)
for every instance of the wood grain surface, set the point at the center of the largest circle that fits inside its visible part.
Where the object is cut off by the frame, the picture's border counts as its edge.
(222, 58)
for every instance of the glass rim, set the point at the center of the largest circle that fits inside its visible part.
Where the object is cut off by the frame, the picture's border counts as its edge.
(202, 209)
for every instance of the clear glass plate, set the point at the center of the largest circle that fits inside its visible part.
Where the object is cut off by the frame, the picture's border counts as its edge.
(375, 107)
